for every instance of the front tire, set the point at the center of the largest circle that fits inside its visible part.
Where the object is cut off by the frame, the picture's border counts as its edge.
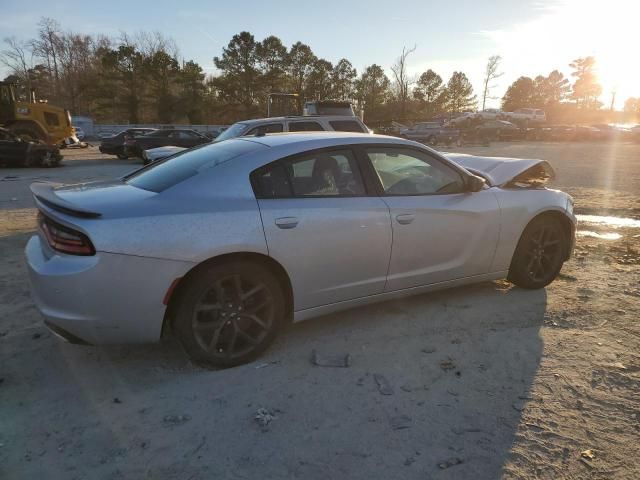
(228, 314)
(539, 255)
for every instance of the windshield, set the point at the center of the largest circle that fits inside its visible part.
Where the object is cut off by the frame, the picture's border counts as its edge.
(235, 130)
(175, 169)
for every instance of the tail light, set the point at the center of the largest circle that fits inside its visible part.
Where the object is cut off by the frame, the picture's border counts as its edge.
(64, 239)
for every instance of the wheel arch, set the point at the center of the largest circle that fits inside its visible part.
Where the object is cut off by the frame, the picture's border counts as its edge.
(175, 292)
(566, 223)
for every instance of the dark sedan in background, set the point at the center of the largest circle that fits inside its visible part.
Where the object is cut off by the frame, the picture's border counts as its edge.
(133, 147)
(114, 145)
(16, 152)
(431, 133)
(498, 130)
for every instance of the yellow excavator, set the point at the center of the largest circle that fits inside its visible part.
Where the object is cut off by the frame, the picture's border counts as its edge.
(31, 119)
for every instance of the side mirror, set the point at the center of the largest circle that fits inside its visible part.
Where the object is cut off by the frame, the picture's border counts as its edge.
(475, 183)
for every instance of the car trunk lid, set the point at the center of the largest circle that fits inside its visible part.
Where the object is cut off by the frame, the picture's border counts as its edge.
(89, 200)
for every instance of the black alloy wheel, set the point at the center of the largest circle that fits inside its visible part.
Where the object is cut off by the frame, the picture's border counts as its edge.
(230, 314)
(539, 255)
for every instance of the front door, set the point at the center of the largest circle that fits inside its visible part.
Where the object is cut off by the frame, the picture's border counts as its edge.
(440, 232)
(333, 239)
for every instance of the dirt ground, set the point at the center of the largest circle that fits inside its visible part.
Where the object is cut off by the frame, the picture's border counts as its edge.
(480, 382)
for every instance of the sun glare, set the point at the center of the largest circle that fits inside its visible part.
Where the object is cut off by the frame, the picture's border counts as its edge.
(569, 29)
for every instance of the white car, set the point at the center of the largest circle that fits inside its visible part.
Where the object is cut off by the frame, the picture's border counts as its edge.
(490, 114)
(465, 118)
(531, 115)
(262, 126)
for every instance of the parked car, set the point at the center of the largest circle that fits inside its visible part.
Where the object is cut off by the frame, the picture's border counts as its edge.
(18, 152)
(226, 243)
(179, 137)
(490, 114)
(525, 115)
(262, 126)
(154, 154)
(499, 130)
(612, 132)
(559, 132)
(431, 133)
(114, 144)
(464, 119)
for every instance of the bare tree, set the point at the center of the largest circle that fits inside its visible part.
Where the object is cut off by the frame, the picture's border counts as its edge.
(402, 79)
(47, 46)
(19, 59)
(491, 73)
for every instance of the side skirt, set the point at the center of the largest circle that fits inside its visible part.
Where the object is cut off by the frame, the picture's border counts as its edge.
(308, 313)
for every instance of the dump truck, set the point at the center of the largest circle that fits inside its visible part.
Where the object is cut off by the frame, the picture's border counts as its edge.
(32, 119)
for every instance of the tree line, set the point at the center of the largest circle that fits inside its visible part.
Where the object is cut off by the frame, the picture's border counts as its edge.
(142, 79)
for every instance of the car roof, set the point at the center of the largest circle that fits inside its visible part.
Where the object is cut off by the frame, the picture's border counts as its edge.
(309, 118)
(304, 139)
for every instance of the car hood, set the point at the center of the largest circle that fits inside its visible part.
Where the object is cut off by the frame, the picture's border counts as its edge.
(90, 200)
(498, 170)
(161, 152)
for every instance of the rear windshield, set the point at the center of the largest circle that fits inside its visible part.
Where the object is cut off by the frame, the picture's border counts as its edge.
(175, 169)
(235, 130)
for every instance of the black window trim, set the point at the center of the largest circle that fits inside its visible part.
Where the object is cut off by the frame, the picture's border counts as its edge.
(373, 177)
(369, 188)
(361, 127)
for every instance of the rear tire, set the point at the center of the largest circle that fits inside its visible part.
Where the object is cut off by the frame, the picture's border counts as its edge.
(122, 156)
(228, 314)
(539, 255)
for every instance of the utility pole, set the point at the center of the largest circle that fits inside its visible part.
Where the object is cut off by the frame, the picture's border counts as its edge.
(613, 99)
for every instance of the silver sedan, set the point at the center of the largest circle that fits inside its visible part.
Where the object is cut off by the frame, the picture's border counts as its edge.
(225, 243)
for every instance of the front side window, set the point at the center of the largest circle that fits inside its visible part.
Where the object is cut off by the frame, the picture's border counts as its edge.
(409, 172)
(305, 127)
(320, 174)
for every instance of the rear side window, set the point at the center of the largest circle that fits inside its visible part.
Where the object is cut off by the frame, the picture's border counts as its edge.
(177, 168)
(269, 128)
(318, 174)
(346, 126)
(305, 127)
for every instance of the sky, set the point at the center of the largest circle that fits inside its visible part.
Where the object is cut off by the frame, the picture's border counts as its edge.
(532, 36)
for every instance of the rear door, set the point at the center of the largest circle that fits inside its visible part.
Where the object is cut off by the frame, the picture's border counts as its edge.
(332, 237)
(440, 232)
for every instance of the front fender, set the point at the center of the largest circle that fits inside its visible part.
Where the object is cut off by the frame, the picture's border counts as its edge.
(517, 208)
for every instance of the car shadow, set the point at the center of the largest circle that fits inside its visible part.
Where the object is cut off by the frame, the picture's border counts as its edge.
(435, 389)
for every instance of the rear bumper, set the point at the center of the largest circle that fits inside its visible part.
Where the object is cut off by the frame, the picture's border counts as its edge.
(101, 299)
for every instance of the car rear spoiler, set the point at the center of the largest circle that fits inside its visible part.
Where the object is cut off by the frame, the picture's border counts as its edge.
(45, 194)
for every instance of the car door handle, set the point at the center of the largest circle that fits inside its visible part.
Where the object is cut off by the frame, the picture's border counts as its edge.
(286, 222)
(405, 218)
